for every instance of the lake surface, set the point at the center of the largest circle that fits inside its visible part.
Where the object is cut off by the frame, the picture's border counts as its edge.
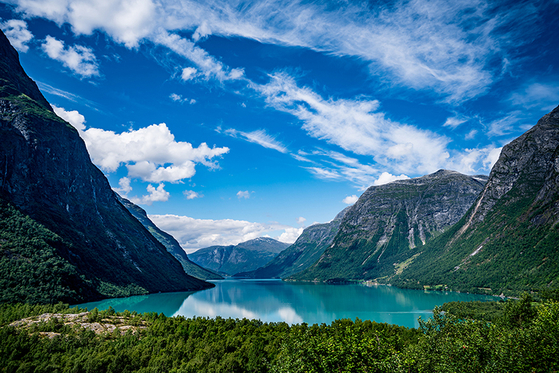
(276, 300)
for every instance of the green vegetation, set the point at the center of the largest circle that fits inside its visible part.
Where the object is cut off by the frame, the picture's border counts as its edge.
(518, 250)
(32, 270)
(522, 337)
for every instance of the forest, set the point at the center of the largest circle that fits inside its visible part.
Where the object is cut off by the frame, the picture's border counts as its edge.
(506, 336)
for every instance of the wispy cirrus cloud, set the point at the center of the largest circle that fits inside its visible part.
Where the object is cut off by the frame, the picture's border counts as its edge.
(435, 45)
(357, 126)
(260, 137)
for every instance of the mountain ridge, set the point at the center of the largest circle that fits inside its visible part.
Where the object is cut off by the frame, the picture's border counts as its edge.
(47, 176)
(390, 222)
(243, 257)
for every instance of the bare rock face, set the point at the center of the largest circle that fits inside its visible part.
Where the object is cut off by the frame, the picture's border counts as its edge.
(394, 220)
(46, 173)
(508, 241)
(302, 254)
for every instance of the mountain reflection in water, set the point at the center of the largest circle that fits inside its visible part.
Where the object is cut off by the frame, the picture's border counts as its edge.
(278, 301)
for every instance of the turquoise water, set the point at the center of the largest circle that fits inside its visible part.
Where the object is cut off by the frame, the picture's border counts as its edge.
(275, 300)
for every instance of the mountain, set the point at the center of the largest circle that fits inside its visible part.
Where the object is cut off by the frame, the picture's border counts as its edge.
(391, 223)
(169, 242)
(508, 242)
(244, 257)
(302, 254)
(64, 234)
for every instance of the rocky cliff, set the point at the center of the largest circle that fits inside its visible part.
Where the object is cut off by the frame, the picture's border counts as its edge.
(244, 257)
(509, 240)
(392, 222)
(46, 174)
(302, 254)
(169, 242)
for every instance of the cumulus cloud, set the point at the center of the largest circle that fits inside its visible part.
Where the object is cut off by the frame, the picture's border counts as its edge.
(386, 178)
(357, 126)
(350, 200)
(179, 98)
(259, 137)
(301, 220)
(71, 116)
(476, 160)
(190, 194)
(77, 58)
(290, 235)
(243, 194)
(158, 194)
(16, 31)
(188, 73)
(124, 186)
(194, 234)
(151, 154)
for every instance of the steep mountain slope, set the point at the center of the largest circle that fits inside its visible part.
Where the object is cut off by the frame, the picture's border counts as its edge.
(508, 241)
(46, 174)
(390, 223)
(169, 242)
(244, 257)
(302, 254)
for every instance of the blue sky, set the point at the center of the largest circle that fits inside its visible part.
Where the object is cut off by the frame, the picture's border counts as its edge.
(230, 120)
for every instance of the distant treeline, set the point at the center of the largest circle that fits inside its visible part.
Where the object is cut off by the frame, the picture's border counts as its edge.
(521, 336)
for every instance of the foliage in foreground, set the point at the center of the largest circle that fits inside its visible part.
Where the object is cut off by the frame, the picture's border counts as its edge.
(524, 339)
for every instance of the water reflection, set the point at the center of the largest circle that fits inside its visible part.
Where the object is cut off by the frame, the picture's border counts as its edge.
(276, 301)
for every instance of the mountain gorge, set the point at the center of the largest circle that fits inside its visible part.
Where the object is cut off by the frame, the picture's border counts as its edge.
(302, 254)
(244, 257)
(391, 223)
(63, 227)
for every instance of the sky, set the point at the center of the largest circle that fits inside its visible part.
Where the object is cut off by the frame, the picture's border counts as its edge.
(228, 120)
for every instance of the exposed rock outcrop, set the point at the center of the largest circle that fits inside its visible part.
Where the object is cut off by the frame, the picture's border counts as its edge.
(392, 221)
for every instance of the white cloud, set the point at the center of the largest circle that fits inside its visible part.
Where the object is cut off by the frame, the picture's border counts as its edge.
(455, 121)
(188, 73)
(72, 116)
(290, 235)
(243, 194)
(386, 178)
(208, 66)
(423, 44)
(151, 154)
(537, 95)
(301, 220)
(126, 21)
(158, 194)
(16, 31)
(350, 200)
(77, 58)
(477, 160)
(178, 98)
(259, 137)
(194, 234)
(357, 126)
(190, 194)
(124, 186)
